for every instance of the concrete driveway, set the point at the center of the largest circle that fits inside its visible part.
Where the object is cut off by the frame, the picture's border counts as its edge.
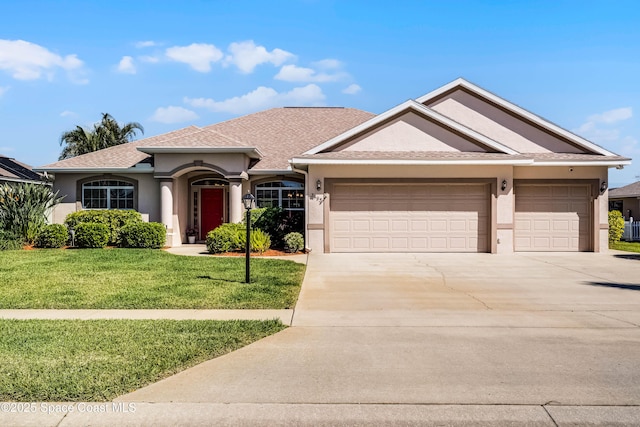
(447, 338)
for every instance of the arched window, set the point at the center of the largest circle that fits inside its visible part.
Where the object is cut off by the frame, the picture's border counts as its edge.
(288, 195)
(107, 194)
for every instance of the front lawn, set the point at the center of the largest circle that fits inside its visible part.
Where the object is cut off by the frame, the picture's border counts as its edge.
(625, 246)
(98, 360)
(142, 279)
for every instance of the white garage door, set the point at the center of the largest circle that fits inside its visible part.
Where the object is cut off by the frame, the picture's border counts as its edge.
(409, 218)
(552, 218)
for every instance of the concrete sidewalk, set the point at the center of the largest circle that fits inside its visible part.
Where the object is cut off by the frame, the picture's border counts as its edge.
(101, 414)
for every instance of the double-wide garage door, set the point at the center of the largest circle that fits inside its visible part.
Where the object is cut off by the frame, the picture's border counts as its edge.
(409, 218)
(552, 218)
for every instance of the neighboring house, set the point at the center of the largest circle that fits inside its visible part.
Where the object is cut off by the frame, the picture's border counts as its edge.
(626, 200)
(456, 170)
(12, 170)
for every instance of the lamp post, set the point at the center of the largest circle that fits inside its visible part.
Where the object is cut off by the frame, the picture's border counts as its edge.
(247, 200)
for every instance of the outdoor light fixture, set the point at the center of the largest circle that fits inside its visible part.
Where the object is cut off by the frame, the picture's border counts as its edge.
(318, 185)
(73, 236)
(247, 201)
(603, 186)
(504, 184)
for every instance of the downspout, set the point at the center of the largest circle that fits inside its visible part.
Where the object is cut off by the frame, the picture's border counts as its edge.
(306, 208)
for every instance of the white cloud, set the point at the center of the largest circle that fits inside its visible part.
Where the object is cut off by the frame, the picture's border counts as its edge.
(593, 128)
(148, 58)
(328, 64)
(352, 89)
(28, 61)
(143, 44)
(198, 56)
(247, 56)
(261, 98)
(173, 114)
(612, 116)
(126, 65)
(293, 73)
(67, 113)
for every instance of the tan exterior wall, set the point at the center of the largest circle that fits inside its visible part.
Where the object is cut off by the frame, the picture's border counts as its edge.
(500, 125)
(416, 134)
(66, 184)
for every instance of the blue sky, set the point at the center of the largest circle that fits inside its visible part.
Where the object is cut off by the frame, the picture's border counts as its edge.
(171, 64)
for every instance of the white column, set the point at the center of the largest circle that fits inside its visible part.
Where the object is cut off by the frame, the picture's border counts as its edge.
(166, 208)
(235, 201)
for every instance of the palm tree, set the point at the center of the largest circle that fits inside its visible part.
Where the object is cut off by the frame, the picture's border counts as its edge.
(105, 133)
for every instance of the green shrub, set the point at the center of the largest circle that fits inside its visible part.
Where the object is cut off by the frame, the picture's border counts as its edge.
(278, 223)
(293, 242)
(10, 241)
(225, 238)
(255, 215)
(260, 241)
(91, 235)
(151, 235)
(616, 226)
(53, 236)
(114, 219)
(24, 208)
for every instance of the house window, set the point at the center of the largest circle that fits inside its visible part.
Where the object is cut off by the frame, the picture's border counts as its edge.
(288, 195)
(107, 194)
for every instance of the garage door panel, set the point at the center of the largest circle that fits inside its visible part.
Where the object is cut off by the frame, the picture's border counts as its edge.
(552, 218)
(427, 218)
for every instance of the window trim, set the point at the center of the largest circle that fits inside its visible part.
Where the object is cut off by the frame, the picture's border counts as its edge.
(105, 177)
(257, 186)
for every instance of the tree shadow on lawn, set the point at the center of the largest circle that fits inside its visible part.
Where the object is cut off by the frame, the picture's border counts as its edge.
(615, 285)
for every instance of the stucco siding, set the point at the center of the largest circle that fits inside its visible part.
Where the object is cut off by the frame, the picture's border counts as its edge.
(411, 133)
(499, 125)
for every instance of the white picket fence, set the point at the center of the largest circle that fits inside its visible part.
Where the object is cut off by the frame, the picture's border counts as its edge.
(631, 231)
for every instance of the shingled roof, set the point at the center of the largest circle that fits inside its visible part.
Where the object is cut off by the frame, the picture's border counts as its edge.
(278, 134)
(631, 190)
(13, 170)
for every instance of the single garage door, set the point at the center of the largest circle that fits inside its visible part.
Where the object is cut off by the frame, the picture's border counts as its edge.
(409, 218)
(552, 218)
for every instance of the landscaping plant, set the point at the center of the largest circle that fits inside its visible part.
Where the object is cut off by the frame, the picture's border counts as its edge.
(278, 222)
(144, 235)
(91, 235)
(616, 226)
(24, 208)
(293, 242)
(114, 219)
(53, 236)
(225, 238)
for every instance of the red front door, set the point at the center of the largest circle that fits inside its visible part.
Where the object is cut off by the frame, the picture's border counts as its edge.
(211, 209)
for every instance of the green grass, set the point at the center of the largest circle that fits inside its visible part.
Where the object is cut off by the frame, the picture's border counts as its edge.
(142, 279)
(625, 246)
(97, 360)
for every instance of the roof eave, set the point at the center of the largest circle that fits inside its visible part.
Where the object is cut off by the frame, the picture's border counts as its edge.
(133, 169)
(393, 162)
(252, 152)
(609, 163)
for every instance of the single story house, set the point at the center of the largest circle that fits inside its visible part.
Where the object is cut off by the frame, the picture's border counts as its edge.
(456, 170)
(626, 200)
(12, 170)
